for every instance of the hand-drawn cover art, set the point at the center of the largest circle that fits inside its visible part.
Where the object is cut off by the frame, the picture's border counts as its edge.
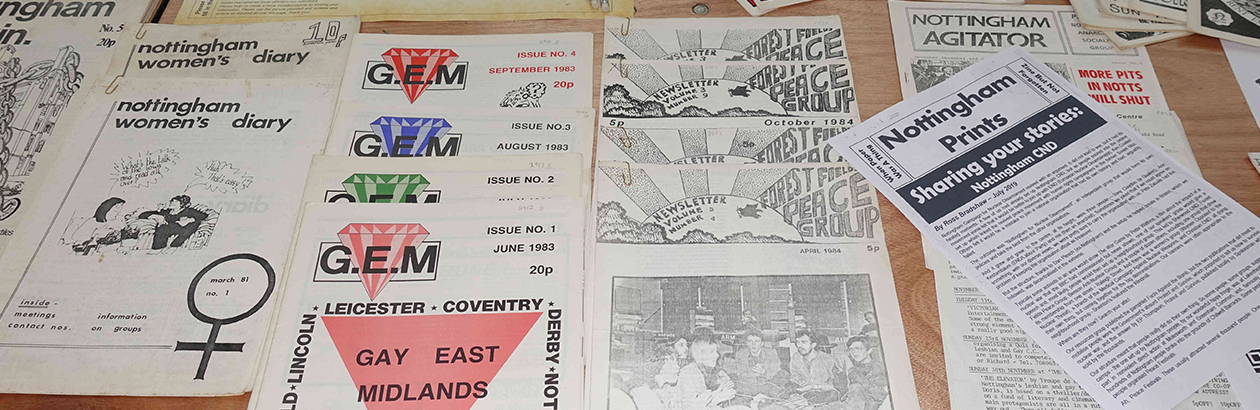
(670, 89)
(733, 204)
(178, 207)
(812, 38)
(48, 51)
(168, 224)
(32, 98)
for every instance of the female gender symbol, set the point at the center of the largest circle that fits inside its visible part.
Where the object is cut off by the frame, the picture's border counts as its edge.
(211, 346)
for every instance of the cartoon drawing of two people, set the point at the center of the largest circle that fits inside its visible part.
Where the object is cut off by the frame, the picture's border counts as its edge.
(177, 220)
(106, 229)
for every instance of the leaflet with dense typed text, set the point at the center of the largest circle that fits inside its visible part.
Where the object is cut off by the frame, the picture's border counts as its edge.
(1134, 274)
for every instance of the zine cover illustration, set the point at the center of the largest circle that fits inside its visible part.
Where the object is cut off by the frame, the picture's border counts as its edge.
(691, 90)
(829, 203)
(48, 53)
(726, 39)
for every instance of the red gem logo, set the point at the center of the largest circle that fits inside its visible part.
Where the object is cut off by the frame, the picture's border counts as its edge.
(416, 67)
(377, 249)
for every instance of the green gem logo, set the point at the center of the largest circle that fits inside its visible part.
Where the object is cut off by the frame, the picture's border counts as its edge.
(385, 188)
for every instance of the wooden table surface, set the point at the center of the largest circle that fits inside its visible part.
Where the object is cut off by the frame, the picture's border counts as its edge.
(1193, 71)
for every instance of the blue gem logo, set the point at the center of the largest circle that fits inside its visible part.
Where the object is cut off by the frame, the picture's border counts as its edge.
(409, 136)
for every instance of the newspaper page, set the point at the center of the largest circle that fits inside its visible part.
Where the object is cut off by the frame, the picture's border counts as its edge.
(467, 303)
(1231, 20)
(990, 362)
(156, 275)
(1050, 205)
(685, 94)
(296, 49)
(1255, 159)
(1171, 9)
(337, 179)
(258, 11)
(1244, 375)
(806, 38)
(762, 285)
(374, 130)
(1130, 39)
(1244, 60)
(50, 51)
(935, 41)
(515, 71)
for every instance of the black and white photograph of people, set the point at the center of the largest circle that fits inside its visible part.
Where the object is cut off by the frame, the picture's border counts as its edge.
(816, 346)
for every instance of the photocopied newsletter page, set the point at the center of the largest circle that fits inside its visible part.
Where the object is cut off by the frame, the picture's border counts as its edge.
(1133, 274)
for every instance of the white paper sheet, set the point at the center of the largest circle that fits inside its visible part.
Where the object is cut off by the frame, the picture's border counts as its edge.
(1245, 61)
(181, 197)
(1135, 330)
(516, 71)
(1244, 376)
(993, 365)
(481, 305)
(970, 324)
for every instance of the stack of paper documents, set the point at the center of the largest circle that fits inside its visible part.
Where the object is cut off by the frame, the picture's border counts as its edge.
(1084, 260)
(440, 252)
(1135, 22)
(736, 259)
(1131, 23)
(979, 340)
(155, 248)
